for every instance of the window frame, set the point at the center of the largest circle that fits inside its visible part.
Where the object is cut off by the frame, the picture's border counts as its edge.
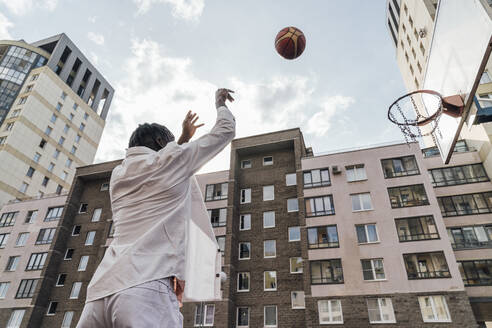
(433, 307)
(332, 270)
(264, 316)
(289, 230)
(361, 202)
(399, 203)
(380, 308)
(427, 274)
(239, 246)
(248, 274)
(373, 269)
(274, 247)
(48, 312)
(297, 203)
(355, 172)
(265, 289)
(93, 233)
(267, 163)
(244, 164)
(321, 183)
(45, 236)
(470, 244)
(237, 316)
(30, 284)
(401, 158)
(75, 283)
(268, 226)
(292, 303)
(36, 261)
(367, 233)
(455, 180)
(57, 210)
(203, 308)
(241, 220)
(218, 222)
(330, 312)
(287, 175)
(215, 187)
(273, 193)
(65, 258)
(329, 242)
(57, 283)
(290, 265)
(476, 272)
(247, 194)
(453, 201)
(83, 262)
(323, 212)
(419, 220)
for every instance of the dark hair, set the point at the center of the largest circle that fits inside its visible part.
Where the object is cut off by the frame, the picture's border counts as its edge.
(153, 136)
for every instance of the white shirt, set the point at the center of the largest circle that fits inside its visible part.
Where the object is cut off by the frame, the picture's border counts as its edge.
(162, 228)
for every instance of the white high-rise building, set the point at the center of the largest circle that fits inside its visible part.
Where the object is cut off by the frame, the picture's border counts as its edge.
(53, 106)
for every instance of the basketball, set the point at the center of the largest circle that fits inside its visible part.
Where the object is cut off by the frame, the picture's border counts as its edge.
(290, 42)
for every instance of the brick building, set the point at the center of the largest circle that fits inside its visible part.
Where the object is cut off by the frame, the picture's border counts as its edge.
(354, 238)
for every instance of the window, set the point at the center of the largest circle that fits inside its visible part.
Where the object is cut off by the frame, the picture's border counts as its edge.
(217, 216)
(48, 130)
(221, 242)
(270, 316)
(21, 239)
(96, 216)
(399, 167)
(326, 272)
(36, 157)
(64, 175)
(73, 150)
(467, 204)
(60, 281)
(361, 202)
(268, 193)
(269, 219)
(316, 178)
(59, 189)
(56, 153)
(15, 113)
(22, 101)
(330, 311)
(216, 191)
(26, 288)
(380, 310)
(9, 126)
(83, 208)
(426, 265)
(476, 272)
(69, 254)
(323, 237)
(34, 77)
(457, 175)
(45, 236)
(53, 119)
(408, 196)
(204, 315)
(373, 269)
(319, 206)
(485, 78)
(54, 213)
(52, 308)
(82, 127)
(76, 230)
(270, 280)
(77, 138)
(244, 251)
(243, 282)
(45, 181)
(84, 259)
(291, 179)
(246, 164)
(30, 172)
(31, 216)
(295, 264)
(29, 88)
(416, 228)
(51, 167)
(294, 233)
(23, 187)
(367, 233)
(61, 141)
(8, 219)
(16, 317)
(75, 106)
(111, 229)
(63, 95)
(12, 263)
(59, 106)
(242, 317)
(297, 300)
(68, 163)
(245, 196)
(89, 240)
(71, 116)
(4, 287)
(356, 173)
(245, 222)
(74, 293)
(86, 116)
(3, 239)
(434, 308)
(268, 160)
(292, 205)
(67, 319)
(470, 237)
(2, 140)
(269, 248)
(105, 186)
(36, 261)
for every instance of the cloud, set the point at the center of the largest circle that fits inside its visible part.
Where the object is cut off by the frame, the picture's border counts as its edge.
(184, 9)
(320, 122)
(93, 58)
(97, 38)
(22, 7)
(92, 19)
(5, 25)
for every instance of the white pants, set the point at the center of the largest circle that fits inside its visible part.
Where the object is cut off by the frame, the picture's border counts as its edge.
(150, 305)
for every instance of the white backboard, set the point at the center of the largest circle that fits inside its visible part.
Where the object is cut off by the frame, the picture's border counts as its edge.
(459, 49)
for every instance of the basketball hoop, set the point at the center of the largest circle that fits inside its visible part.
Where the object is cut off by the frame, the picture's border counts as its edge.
(405, 113)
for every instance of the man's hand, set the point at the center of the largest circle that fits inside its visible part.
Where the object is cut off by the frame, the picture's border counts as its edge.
(221, 95)
(179, 286)
(189, 127)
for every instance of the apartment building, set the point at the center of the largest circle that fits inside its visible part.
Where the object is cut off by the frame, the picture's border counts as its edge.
(53, 106)
(27, 230)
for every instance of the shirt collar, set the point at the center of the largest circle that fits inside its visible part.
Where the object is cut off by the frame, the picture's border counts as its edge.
(140, 150)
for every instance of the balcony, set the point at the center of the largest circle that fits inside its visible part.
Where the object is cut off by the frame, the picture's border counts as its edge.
(426, 265)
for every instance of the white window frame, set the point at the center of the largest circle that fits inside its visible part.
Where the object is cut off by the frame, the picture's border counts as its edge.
(58, 279)
(73, 230)
(287, 179)
(204, 308)
(361, 203)
(274, 246)
(237, 316)
(66, 253)
(76, 286)
(96, 218)
(83, 262)
(264, 316)
(80, 208)
(367, 233)
(244, 164)
(65, 324)
(241, 219)
(330, 312)
(21, 234)
(93, 233)
(355, 174)
(104, 186)
(433, 307)
(15, 263)
(294, 240)
(269, 226)
(388, 301)
(4, 288)
(267, 163)
(49, 307)
(264, 282)
(249, 282)
(292, 301)
(16, 317)
(239, 255)
(273, 193)
(247, 196)
(373, 269)
(290, 265)
(297, 202)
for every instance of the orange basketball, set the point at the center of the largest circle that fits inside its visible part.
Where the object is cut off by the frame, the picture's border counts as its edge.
(290, 42)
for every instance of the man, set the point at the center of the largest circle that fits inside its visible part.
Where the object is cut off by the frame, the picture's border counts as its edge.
(162, 233)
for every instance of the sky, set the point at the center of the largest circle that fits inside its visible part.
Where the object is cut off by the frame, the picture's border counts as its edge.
(165, 57)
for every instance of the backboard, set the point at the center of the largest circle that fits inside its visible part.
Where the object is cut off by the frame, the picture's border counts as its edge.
(459, 52)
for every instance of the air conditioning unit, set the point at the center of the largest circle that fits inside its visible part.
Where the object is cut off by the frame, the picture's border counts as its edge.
(335, 169)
